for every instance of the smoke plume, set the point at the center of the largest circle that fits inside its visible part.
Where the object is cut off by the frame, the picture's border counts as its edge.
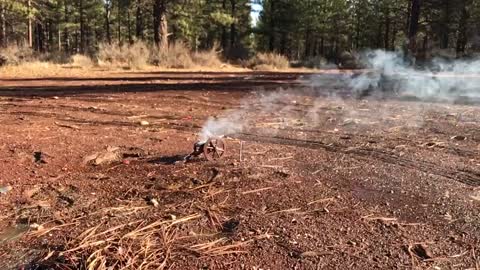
(329, 98)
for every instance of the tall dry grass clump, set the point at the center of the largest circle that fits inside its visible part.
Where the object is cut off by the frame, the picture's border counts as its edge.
(82, 61)
(268, 61)
(176, 56)
(207, 58)
(16, 55)
(134, 56)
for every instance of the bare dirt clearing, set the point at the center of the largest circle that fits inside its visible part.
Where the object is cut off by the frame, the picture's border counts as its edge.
(338, 183)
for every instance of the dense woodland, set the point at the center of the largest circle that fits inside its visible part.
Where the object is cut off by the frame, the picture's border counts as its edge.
(299, 29)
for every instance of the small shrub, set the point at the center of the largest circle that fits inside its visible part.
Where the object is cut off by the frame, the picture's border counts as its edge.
(56, 58)
(137, 55)
(315, 62)
(176, 56)
(82, 61)
(266, 61)
(207, 58)
(134, 56)
(16, 55)
(111, 54)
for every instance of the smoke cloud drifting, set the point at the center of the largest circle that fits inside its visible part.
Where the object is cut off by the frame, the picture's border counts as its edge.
(386, 74)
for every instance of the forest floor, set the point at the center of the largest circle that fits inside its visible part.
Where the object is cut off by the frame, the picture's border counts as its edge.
(323, 183)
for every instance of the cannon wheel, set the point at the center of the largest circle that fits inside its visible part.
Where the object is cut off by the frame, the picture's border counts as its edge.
(214, 149)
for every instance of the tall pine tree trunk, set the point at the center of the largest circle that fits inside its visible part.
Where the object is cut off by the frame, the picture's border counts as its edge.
(271, 40)
(3, 26)
(30, 30)
(307, 43)
(129, 27)
(387, 31)
(139, 21)
(160, 26)
(462, 29)
(413, 27)
(108, 13)
(445, 26)
(233, 27)
(83, 37)
(224, 30)
(65, 31)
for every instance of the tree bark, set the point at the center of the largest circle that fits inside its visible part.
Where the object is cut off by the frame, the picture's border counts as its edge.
(65, 31)
(307, 43)
(271, 41)
(3, 26)
(30, 30)
(139, 21)
(233, 27)
(445, 26)
(83, 38)
(462, 30)
(129, 27)
(119, 24)
(160, 26)
(387, 31)
(224, 30)
(413, 29)
(108, 13)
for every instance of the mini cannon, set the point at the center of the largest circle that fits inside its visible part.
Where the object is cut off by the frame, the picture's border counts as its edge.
(212, 149)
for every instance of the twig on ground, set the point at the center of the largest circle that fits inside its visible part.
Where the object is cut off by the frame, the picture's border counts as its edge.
(271, 166)
(321, 201)
(285, 211)
(256, 190)
(282, 158)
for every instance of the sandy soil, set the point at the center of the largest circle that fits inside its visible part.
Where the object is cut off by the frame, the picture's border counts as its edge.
(324, 183)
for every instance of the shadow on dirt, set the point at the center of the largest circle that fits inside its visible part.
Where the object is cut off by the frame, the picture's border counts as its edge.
(167, 160)
(232, 82)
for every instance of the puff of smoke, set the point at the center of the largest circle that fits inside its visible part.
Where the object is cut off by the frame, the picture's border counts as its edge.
(439, 80)
(259, 105)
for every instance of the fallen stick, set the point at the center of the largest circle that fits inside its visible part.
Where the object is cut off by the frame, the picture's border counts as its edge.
(241, 150)
(320, 201)
(67, 126)
(283, 158)
(137, 116)
(256, 190)
(271, 166)
(285, 211)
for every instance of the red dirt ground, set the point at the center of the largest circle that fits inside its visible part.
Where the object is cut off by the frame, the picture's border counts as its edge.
(325, 183)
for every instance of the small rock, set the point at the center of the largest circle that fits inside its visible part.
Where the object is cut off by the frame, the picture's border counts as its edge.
(36, 227)
(458, 138)
(144, 123)
(475, 196)
(39, 157)
(55, 97)
(154, 202)
(309, 254)
(422, 251)
(5, 189)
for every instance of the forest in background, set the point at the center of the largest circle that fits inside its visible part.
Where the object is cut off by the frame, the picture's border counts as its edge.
(299, 29)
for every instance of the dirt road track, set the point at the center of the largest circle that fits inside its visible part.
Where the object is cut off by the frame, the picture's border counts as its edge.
(357, 188)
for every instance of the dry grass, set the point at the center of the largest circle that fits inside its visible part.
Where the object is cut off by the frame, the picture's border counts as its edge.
(176, 56)
(268, 61)
(207, 58)
(82, 61)
(133, 245)
(133, 56)
(16, 55)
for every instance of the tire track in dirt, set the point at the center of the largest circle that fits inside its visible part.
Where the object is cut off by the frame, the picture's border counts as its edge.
(465, 176)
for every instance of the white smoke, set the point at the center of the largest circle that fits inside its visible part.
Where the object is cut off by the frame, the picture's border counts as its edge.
(439, 80)
(329, 97)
